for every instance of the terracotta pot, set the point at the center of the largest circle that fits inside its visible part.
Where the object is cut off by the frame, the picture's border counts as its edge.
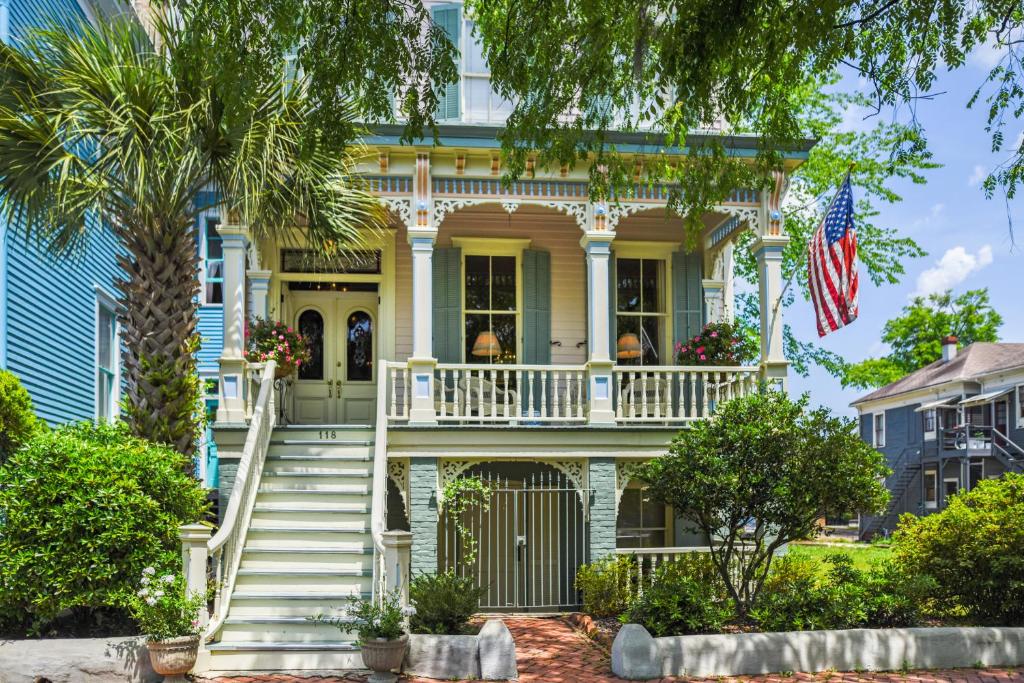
(173, 656)
(381, 655)
(282, 371)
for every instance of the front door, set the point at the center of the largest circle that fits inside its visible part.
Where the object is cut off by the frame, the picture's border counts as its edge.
(337, 385)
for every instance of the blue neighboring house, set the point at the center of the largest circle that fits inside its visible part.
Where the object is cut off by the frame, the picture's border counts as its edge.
(58, 322)
(946, 427)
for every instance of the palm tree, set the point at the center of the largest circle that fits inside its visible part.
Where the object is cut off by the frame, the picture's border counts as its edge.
(96, 123)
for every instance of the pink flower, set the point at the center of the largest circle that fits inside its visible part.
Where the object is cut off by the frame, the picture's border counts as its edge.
(290, 330)
(714, 335)
(281, 337)
(685, 349)
(298, 363)
(700, 349)
(703, 357)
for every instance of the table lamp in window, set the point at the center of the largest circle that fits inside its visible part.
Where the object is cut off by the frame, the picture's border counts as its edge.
(628, 347)
(486, 345)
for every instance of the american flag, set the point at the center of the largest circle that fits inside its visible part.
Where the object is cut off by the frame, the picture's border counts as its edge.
(832, 264)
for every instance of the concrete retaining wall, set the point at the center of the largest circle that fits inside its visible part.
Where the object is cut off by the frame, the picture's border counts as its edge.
(489, 655)
(77, 660)
(638, 655)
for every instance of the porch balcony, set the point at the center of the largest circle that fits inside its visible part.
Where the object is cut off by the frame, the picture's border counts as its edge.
(535, 395)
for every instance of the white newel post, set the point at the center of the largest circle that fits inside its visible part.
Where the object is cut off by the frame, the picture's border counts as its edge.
(714, 300)
(397, 560)
(231, 408)
(597, 244)
(259, 287)
(768, 252)
(194, 556)
(422, 364)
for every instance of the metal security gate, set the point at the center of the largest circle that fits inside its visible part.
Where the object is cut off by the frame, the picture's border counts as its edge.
(529, 543)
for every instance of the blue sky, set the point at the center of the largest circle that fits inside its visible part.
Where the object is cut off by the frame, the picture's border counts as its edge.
(967, 236)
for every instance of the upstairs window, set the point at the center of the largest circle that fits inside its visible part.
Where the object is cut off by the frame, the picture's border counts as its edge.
(640, 311)
(213, 264)
(879, 430)
(931, 488)
(106, 361)
(929, 423)
(491, 309)
(1020, 406)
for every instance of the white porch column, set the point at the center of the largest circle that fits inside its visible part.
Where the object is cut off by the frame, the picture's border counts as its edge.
(597, 244)
(422, 363)
(194, 554)
(397, 559)
(231, 408)
(259, 287)
(714, 300)
(768, 252)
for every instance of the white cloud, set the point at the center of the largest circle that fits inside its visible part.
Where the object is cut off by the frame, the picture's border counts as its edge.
(978, 175)
(953, 268)
(987, 55)
(935, 214)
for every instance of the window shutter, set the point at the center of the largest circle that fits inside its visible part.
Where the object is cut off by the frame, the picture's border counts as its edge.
(536, 307)
(447, 295)
(449, 18)
(687, 297)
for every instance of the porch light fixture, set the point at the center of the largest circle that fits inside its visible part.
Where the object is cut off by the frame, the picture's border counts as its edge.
(629, 346)
(486, 345)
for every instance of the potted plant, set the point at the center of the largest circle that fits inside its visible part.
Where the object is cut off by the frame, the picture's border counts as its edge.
(168, 616)
(381, 627)
(267, 340)
(720, 343)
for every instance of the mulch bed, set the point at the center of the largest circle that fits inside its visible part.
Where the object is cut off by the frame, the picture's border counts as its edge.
(602, 630)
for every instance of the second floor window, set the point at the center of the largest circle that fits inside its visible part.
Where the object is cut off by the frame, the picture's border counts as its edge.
(879, 430)
(490, 309)
(213, 264)
(929, 420)
(931, 487)
(106, 362)
(640, 311)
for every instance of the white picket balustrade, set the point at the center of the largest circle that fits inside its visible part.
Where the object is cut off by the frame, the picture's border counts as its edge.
(677, 393)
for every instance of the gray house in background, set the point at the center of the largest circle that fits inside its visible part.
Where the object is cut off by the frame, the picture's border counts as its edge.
(946, 427)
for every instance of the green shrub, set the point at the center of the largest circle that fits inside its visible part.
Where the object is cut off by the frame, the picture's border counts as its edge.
(973, 549)
(797, 596)
(86, 508)
(686, 596)
(444, 603)
(607, 585)
(17, 420)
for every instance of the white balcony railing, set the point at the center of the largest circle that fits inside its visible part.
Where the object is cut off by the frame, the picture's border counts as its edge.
(557, 394)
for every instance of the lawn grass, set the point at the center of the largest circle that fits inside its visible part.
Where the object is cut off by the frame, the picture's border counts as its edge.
(864, 555)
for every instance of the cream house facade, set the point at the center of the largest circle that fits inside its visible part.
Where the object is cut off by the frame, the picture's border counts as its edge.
(522, 334)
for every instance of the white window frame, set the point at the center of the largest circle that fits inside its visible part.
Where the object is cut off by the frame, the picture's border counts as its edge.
(649, 251)
(930, 435)
(1019, 395)
(106, 302)
(934, 473)
(875, 419)
(204, 222)
(491, 247)
(946, 480)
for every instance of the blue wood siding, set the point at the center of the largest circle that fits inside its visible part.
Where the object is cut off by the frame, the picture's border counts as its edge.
(49, 326)
(211, 330)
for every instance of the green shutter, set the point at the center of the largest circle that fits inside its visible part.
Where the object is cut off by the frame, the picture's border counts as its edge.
(687, 297)
(447, 295)
(449, 18)
(536, 307)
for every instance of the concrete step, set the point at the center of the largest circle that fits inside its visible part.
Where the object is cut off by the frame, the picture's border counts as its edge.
(240, 656)
(253, 629)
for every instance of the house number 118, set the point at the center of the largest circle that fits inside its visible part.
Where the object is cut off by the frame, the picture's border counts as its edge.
(328, 434)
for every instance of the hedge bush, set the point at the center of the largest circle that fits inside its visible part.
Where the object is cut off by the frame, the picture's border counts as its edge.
(607, 585)
(17, 420)
(974, 549)
(798, 597)
(687, 595)
(86, 508)
(444, 603)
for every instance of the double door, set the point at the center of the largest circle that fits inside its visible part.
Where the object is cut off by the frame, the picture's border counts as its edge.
(338, 384)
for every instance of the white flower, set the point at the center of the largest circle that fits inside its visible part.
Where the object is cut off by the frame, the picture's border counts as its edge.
(158, 594)
(145, 581)
(168, 578)
(144, 592)
(150, 601)
(408, 611)
(149, 571)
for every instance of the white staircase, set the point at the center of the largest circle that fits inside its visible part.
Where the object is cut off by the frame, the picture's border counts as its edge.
(308, 547)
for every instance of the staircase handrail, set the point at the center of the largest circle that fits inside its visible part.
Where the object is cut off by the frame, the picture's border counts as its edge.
(1007, 442)
(226, 546)
(378, 501)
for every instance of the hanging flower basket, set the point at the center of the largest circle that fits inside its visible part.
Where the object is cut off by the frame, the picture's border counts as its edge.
(268, 340)
(720, 343)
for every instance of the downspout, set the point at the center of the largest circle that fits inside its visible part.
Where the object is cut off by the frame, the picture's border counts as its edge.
(5, 31)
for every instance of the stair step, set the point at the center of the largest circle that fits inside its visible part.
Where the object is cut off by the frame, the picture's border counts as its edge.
(352, 528)
(249, 595)
(355, 508)
(312, 571)
(330, 457)
(345, 646)
(356, 489)
(256, 619)
(319, 550)
(333, 472)
(321, 442)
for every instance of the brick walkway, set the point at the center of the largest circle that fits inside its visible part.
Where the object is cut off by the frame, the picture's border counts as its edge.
(550, 651)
